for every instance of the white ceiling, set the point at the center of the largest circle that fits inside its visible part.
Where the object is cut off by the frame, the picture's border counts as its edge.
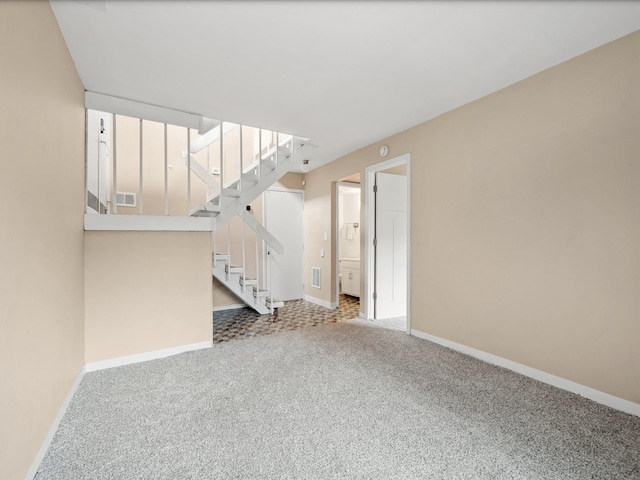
(345, 73)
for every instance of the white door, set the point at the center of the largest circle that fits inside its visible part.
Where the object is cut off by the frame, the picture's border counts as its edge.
(391, 246)
(283, 219)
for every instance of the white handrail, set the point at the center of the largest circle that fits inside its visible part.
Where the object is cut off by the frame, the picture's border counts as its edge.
(201, 172)
(263, 232)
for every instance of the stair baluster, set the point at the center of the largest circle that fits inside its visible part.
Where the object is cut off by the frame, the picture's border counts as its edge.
(221, 163)
(244, 262)
(257, 268)
(228, 251)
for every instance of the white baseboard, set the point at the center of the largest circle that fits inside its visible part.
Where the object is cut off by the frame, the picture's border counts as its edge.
(143, 357)
(582, 390)
(233, 306)
(362, 315)
(322, 303)
(35, 465)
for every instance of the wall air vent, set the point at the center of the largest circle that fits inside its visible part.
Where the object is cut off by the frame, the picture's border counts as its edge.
(126, 199)
(315, 277)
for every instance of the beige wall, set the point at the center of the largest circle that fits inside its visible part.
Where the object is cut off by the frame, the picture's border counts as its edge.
(146, 291)
(525, 226)
(41, 250)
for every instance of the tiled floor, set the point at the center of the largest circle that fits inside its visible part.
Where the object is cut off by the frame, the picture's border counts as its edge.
(245, 322)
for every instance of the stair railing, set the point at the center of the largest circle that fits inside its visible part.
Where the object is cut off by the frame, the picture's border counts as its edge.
(126, 165)
(265, 242)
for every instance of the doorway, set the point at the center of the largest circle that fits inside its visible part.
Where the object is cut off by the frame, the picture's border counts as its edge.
(387, 242)
(283, 215)
(348, 241)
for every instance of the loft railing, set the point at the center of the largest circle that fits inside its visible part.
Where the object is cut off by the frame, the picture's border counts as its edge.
(135, 166)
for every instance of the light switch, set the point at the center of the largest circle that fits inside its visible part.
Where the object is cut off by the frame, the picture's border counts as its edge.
(322, 253)
(325, 237)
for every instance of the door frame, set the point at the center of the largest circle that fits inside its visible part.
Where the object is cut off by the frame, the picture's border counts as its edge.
(369, 228)
(264, 222)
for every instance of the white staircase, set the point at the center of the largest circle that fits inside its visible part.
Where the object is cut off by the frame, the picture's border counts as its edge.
(251, 290)
(243, 170)
(229, 199)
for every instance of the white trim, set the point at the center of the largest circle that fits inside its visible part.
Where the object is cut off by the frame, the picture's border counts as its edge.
(369, 181)
(131, 108)
(322, 303)
(143, 357)
(35, 465)
(233, 306)
(362, 315)
(559, 382)
(153, 223)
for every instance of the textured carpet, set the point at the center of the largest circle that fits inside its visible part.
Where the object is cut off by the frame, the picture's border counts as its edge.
(246, 322)
(334, 401)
